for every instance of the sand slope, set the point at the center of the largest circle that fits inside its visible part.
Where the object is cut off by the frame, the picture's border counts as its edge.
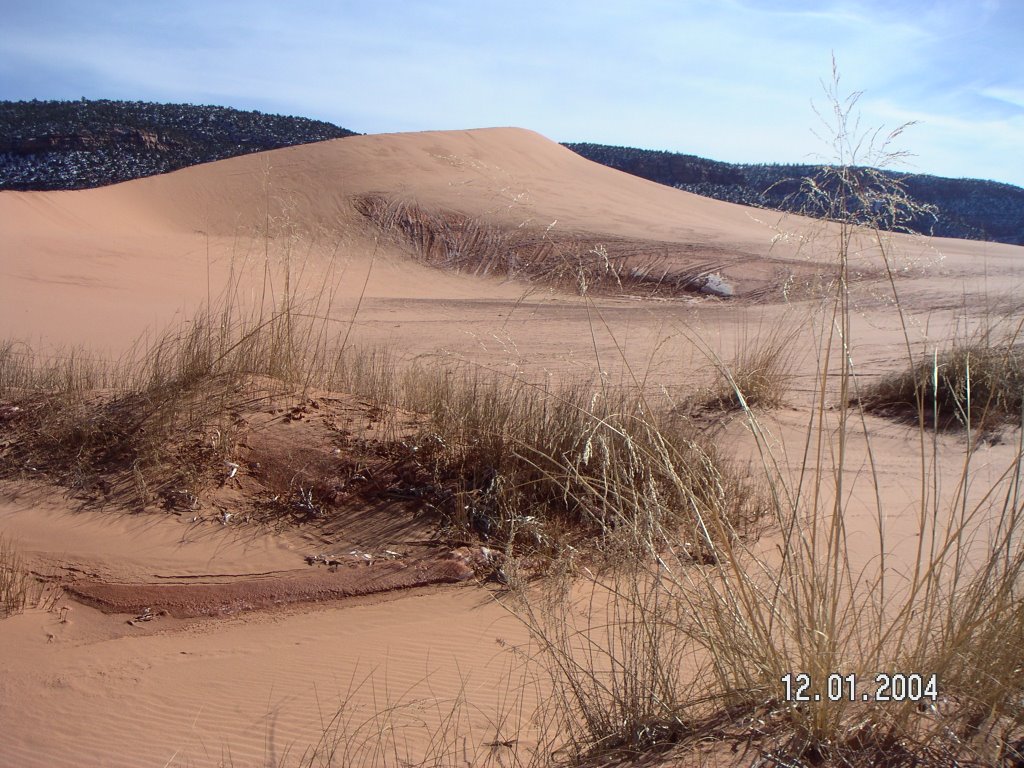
(507, 173)
(101, 268)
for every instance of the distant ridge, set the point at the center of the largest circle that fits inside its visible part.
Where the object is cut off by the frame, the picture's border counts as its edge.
(969, 209)
(47, 145)
(60, 145)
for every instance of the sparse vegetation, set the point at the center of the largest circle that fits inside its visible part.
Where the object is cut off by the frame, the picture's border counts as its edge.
(760, 371)
(686, 632)
(136, 428)
(532, 467)
(539, 469)
(664, 658)
(14, 580)
(977, 383)
(579, 263)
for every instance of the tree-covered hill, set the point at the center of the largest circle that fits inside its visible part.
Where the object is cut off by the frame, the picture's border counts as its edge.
(82, 144)
(964, 208)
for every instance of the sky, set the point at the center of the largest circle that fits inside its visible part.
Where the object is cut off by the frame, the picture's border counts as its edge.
(734, 80)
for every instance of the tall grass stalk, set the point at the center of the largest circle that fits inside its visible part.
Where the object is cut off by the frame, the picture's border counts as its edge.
(701, 646)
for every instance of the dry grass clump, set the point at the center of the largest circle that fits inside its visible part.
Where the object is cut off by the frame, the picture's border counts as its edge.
(576, 262)
(621, 673)
(162, 416)
(14, 581)
(759, 373)
(530, 467)
(64, 371)
(452, 240)
(536, 468)
(978, 383)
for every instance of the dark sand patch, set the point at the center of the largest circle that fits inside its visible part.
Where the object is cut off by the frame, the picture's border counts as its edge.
(224, 598)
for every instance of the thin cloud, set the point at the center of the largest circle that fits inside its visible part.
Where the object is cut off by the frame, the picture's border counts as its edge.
(1011, 96)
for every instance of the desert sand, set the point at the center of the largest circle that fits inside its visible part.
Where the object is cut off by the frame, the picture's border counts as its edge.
(217, 676)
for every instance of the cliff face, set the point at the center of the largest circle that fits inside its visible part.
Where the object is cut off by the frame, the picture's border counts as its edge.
(86, 140)
(970, 209)
(83, 144)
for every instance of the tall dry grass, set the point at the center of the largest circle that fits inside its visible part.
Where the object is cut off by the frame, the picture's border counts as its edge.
(760, 371)
(686, 651)
(976, 382)
(529, 465)
(14, 581)
(158, 415)
(541, 467)
(690, 637)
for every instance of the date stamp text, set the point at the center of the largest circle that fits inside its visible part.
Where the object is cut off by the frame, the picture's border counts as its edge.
(886, 686)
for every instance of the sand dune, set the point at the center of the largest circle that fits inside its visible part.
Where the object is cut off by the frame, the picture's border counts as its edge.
(506, 173)
(102, 268)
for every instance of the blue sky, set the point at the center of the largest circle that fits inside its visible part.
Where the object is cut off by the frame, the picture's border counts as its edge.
(728, 79)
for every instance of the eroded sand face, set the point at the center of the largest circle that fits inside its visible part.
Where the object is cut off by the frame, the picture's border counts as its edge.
(101, 268)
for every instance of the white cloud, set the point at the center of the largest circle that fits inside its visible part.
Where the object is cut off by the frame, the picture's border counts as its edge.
(948, 144)
(1013, 96)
